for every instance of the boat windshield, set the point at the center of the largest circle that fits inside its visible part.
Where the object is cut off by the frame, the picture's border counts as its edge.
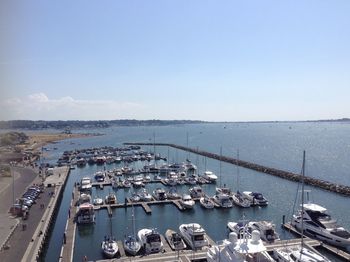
(153, 238)
(198, 238)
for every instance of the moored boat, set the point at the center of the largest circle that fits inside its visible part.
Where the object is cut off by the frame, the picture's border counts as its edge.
(194, 235)
(206, 202)
(175, 240)
(109, 247)
(85, 214)
(150, 240)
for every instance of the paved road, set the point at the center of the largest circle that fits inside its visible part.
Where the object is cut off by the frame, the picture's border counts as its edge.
(20, 238)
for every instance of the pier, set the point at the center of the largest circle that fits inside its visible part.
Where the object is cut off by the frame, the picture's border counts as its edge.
(326, 185)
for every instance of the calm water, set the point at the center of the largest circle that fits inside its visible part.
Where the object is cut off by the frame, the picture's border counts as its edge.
(275, 145)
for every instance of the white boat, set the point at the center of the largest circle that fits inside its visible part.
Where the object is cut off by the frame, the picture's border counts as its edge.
(111, 199)
(247, 249)
(84, 198)
(175, 240)
(187, 202)
(210, 176)
(299, 252)
(109, 247)
(255, 198)
(138, 181)
(206, 202)
(85, 184)
(194, 235)
(222, 200)
(320, 225)
(196, 192)
(81, 162)
(98, 201)
(172, 194)
(85, 214)
(131, 244)
(159, 194)
(240, 201)
(150, 240)
(266, 229)
(135, 197)
(240, 228)
(144, 195)
(100, 176)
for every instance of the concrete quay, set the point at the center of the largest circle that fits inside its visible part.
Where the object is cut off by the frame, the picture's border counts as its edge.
(326, 185)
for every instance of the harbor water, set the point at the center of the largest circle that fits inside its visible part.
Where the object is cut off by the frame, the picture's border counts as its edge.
(278, 145)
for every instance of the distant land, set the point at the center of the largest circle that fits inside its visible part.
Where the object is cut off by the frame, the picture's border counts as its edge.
(75, 124)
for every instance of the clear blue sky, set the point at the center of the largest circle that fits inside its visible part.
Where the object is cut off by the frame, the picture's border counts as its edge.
(207, 60)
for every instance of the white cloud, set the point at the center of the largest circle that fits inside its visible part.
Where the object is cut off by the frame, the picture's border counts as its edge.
(40, 107)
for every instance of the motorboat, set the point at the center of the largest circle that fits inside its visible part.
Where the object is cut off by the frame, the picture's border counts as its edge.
(233, 249)
(111, 199)
(150, 240)
(241, 228)
(172, 194)
(210, 176)
(239, 200)
(196, 192)
(266, 229)
(320, 225)
(144, 195)
(109, 247)
(126, 183)
(100, 176)
(135, 197)
(206, 202)
(194, 235)
(223, 190)
(175, 240)
(85, 214)
(81, 162)
(159, 194)
(222, 200)
(138, 181)
(256, 199)
(85, 184)
(98, 201)
(187, 202)
(84, 198)
(190, 180)
(299, 252)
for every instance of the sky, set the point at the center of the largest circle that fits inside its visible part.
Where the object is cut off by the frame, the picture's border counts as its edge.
(248, 60)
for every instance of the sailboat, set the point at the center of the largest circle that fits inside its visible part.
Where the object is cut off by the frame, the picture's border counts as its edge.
(109, 245)
(238, 198)
(131, 245)
(299, 252)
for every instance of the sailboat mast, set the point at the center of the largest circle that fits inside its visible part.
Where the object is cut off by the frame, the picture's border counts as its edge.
(220, 164)
(302, 201)
(237, 170)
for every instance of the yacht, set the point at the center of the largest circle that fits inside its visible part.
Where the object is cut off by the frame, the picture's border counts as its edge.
(240, 201)
(196, 192)
(256, 199)
(175, 240)
(111, 199)
(131, 244)
(194, 235)
(138, 181)
(223, 200)
(85, 214)
(109, 247)
(172, 194)
(159, 194)
(210, 176)
(187, 202)
(246, 249)
(206, 202)
(85, 184)
(320, 225)
(144, 195)
(266, 229)
(150, 240)
(100, 176)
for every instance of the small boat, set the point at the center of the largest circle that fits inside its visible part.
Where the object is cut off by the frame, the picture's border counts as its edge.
(190, 180)
(223, 200)
(131, 244)
(266, 229)
(85, 184)
(206, 202)
(175, 240)
(159, 194)
(172, 194)
(100, 176)
(150, 240)
(138, 181)
(81, 162)
(84, 198)
(210, 176)
(256, 199)
(187, 202)
(135, 197)
(144, 195)
(85, 214)
(240, 201)
(241, 228)
(196, 192)
(98, 201)
(109, 247)
(194, 235)
(111, 199)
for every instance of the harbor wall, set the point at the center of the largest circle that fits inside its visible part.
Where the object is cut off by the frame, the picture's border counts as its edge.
(323, 184)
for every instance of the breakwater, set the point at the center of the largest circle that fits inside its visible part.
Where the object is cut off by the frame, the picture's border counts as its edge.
(323, 184)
